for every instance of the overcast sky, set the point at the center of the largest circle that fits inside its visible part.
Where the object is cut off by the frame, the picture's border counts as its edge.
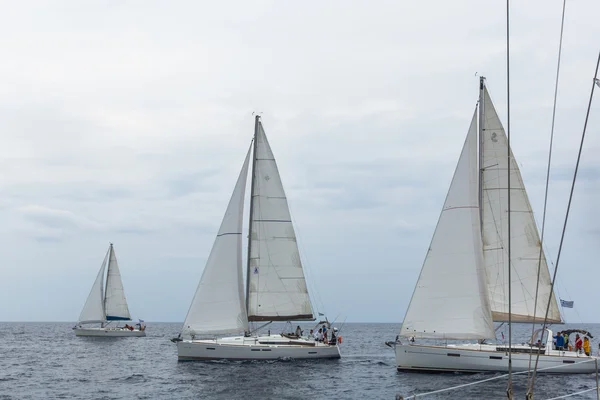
(128, 121)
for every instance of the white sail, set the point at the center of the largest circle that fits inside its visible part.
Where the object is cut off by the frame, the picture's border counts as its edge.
(218, 305)
(276, 286)
(525, 241)
(93, 310)
(450, 299)
(115, 304)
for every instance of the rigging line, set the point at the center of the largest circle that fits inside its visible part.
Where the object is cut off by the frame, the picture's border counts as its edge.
(573, 394)
(509, 386)
(531, 378)
(562, 237)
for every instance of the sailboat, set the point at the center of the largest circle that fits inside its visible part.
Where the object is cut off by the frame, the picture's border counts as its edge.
(107, 304)
(463, 289)
(275, 285)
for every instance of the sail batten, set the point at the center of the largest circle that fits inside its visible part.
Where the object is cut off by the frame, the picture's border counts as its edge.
(450, 299)
(525, 244)
(276, 289)
(218, 306)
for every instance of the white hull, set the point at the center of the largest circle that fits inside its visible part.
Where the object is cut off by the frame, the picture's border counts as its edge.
(485, 358)
(254, 348)
(109, 332)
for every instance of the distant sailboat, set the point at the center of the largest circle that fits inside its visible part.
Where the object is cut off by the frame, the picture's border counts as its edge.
(463, 287)
(275, 286)
(105, 305)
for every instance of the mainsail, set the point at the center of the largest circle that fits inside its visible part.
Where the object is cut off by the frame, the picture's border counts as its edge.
(218, 305)
(115, 305)
(525, 241)
(277, 288)
(450, 299)
(93, 310)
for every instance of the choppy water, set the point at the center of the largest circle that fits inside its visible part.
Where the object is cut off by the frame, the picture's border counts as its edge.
(47, 361)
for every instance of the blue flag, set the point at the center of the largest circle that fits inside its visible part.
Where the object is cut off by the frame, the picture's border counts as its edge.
(566, 304)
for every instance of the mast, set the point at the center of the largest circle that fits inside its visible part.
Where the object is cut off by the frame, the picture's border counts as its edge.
(481, 83)
(251, 214)
(508, 170)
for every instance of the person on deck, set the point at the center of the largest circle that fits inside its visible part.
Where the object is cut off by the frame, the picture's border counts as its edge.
(578, 344)
(586, 346)
(298, 331)
(324, 333)
(333, 340)
(560, 341)
(566, 337)
(318, 335)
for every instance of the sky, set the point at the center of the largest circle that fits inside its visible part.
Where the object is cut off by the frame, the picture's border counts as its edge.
(128, 121)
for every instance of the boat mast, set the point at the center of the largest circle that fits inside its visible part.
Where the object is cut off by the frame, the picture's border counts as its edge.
(481, 84)
(508, 171)
(251, 214)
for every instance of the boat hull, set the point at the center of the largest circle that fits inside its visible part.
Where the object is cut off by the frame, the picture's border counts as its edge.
(253, 348)
(485, 358)
(109, 332)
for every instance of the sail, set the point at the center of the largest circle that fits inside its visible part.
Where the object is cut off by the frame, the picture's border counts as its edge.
(93, 310)
(525, 240)
(218, 305)
(276, 286)
(115, 304)
(450, 299)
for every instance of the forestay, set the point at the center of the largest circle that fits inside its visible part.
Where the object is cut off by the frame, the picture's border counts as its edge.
(525, 241)
(450, 299)
(93, 310)
(277, 289)
(218, 305)
(115, 304)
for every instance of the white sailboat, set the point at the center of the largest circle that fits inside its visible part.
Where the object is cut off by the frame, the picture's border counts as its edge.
(463, 289)
(275, 285)
(107, 304)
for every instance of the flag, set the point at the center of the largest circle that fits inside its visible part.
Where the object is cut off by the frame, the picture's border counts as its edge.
(597, 82)
(566, 304)
(321, 314)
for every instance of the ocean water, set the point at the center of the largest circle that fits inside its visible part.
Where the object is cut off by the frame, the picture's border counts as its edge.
(47, 361)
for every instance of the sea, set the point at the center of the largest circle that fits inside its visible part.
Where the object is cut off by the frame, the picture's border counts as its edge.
(47, 361)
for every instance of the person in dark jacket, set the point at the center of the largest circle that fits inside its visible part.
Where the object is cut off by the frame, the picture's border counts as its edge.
(560, 341)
